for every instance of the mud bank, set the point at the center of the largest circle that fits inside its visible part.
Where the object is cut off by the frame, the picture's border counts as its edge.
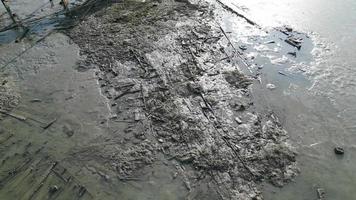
(177, 98)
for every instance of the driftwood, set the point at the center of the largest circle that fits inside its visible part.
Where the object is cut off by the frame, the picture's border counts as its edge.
(18, 117)
(238, 14)
(8, 10)
(49, 124)
(16, 22)
(239, 54)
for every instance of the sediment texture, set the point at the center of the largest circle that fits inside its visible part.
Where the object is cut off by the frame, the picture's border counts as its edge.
(171, 74)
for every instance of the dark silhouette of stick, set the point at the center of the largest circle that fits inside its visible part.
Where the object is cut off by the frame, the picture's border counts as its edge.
(8, 10)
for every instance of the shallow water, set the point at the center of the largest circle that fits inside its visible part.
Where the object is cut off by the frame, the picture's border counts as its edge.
(315, 101)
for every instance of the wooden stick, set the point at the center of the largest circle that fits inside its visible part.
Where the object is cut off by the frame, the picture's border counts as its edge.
(8, 10)
(21, 118)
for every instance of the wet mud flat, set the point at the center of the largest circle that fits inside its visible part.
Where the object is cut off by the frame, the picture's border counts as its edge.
(151, 104)
(38, 122)
(177, 97)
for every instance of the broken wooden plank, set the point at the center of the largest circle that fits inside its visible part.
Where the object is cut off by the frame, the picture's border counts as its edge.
(49, 124)
(18, 117)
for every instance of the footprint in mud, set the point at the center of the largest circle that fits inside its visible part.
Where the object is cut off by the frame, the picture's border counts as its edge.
(70, 127)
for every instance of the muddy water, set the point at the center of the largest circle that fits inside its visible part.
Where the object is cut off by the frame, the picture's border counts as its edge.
(315, 93)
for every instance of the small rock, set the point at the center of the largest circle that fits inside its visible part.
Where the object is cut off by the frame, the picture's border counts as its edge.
(160, 140)
(320, 193)
(243, 47)
(175, 175)
(270, 86)
(238, 120)
(110, 42)
(137, 115)
(203, 105)
(339, 150)
(289, 29)
(53, 189)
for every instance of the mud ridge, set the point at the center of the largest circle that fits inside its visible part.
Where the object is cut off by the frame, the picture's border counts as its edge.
(170, 75)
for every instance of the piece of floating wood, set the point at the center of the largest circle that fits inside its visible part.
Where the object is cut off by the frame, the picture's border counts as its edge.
(18, 117)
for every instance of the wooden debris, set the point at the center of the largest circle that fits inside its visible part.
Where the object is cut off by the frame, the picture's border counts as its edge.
(18, 117)
(49, 124)
(35, 100)
(297, 43)
(294, 54)
(8, 10)
(282, 73)
(238, 14)
(320, 193)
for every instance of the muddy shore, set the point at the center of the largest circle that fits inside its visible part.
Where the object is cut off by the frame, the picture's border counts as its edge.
(169, 69)
(180, 111)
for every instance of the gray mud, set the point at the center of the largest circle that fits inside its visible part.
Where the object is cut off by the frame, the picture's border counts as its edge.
(180, 106)
(145, 100)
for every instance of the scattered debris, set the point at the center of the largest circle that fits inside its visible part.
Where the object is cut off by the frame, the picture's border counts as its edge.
(49, 124)
(35, 100)
(238, 14)
(168, 72)
(243, 47)
(270, 86)
(282, 73)
(321, 193)
(53, 189)
(294, 53)
(339, 150)
(18, 117)
(270, 42)
(238, 120)
(296, 42)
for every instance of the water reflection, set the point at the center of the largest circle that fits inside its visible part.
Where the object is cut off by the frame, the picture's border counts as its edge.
(321, 115)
